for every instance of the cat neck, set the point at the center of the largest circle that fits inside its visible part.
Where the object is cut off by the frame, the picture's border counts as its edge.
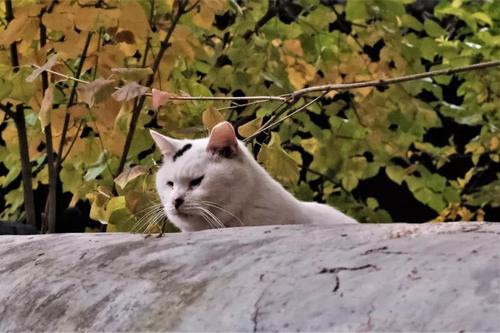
(266, 200)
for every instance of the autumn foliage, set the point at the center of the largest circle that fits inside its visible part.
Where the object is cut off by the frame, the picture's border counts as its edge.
(118, 68)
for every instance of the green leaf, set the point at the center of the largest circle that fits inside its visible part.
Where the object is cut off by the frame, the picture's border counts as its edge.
(372, 203)
(71, 178)
(411, 22)
(5, 88)
(433, 29)
(356, 11)
(428, 48)
(21, 89)
(395, 173)
(483, 17)
(277, 161)
(349, 182)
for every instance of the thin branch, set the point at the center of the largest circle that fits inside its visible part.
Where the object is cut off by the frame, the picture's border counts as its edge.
(140, 102)
(234, 106)
(277, 122)
(375, 83)
(327, 87)
(77, 134)
(272, 10)
(68, 77)
(71, 101)
(7, 110)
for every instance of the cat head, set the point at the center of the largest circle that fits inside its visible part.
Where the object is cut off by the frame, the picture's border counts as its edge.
(201, 180)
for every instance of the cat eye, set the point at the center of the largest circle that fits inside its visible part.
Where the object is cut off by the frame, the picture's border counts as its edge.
(171, 184)
(195, 182)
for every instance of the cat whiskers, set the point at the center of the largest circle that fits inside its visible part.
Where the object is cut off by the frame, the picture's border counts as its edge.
(217, 206)
(153, 215)
(213, 221)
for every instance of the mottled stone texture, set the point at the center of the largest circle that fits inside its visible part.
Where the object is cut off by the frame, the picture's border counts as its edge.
(391, 277)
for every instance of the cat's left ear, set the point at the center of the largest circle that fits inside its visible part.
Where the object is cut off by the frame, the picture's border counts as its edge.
(167, 146)
(223, 140)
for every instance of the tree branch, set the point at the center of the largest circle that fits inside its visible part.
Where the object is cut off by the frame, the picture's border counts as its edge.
(140, 102)
(277, 122)
(327, 87)
(377, 83)
(71, 101)
(7, 110)
(18, 116)
(49, 216)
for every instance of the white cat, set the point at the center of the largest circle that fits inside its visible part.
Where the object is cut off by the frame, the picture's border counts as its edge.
(215, 182)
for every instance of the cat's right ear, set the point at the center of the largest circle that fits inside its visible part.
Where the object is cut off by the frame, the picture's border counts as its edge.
(223, 140)
(167, 146)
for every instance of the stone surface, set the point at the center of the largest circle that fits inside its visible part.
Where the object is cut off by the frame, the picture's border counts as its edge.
(390, 277)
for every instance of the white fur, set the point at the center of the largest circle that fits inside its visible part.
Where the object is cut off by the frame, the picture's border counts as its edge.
(241, 192)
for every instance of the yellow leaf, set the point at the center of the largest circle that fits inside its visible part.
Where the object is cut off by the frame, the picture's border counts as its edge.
(133, 18)
(211, 117)
(90, 19)
(312, 145)
(300, 73)
(494, 143)
(58, 22)
(480, 215)
(250, 127)
(129, 174)
(46, 108)
(294, 46)
(205, 15)
(14, 30)
(465, 214)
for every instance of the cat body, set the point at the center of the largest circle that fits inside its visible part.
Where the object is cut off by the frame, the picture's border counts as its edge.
(215, 182)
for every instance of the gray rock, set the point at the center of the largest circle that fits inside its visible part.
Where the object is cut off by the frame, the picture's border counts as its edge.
(386, 277)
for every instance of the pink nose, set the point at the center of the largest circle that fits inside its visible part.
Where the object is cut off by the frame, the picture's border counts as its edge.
(178, 202)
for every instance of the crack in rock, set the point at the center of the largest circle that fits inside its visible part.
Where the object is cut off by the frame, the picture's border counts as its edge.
(337, 270)
(255, 316)
(383, 250)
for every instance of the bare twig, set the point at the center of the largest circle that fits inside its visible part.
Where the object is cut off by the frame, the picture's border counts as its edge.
(375, 83)
(77, 134)
(277, 122)
(71, 102)
(327, 87)
(68, 77)
(7, 110)
(140, 102)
